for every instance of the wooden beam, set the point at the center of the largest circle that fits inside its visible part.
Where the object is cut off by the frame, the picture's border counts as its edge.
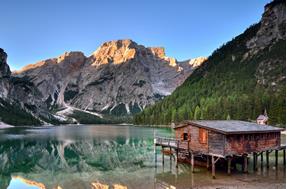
(284, 157)
(207, 162)
(170, 159)
(217, 158)
(276, 158)
(162, 155)
(229, 165)
(192, 162)
(267, 159)
(245, 163)
(155, 157)
(213, 166)
(254, 161)
(261, 158)
(176, 163)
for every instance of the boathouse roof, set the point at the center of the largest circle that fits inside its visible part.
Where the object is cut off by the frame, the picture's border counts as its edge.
(231, 126)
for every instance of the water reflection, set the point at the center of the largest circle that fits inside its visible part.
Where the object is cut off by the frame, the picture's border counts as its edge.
(77, 157)
(108, 157)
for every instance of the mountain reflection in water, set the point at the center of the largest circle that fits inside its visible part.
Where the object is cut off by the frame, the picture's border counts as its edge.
(21, 183)
(107, 156)
(76, 157)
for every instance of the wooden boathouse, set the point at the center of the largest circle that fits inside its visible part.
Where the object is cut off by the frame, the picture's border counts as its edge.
(229, 140)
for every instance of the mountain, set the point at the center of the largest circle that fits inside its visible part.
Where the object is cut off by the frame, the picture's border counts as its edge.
(119, 79)
(20, 100)
(238, 81)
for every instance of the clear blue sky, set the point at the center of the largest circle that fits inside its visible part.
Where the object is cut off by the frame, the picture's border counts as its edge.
(33, 30)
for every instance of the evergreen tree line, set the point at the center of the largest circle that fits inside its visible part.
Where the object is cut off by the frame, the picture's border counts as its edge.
(226, 87)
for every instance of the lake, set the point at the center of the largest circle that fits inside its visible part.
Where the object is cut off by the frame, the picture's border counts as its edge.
(109, 156)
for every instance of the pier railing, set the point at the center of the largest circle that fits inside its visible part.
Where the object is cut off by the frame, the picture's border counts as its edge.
(171, 142)
(168, 142)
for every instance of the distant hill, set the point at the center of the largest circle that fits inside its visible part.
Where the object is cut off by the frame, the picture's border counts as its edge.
(238, 81)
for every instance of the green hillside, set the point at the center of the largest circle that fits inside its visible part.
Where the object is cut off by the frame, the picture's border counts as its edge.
(226, 86)
(14, 114)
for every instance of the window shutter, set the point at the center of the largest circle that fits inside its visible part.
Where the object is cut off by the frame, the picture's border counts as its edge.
(202, 136)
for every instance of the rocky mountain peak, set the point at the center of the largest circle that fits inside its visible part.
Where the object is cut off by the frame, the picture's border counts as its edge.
(120, 43)
(195, 62)
(72, 60)
(116, 52)
(4, 68)
(158, 51)
(121, 77)
(271, 34)
(272, 26)
(121, 51)
(72, 55)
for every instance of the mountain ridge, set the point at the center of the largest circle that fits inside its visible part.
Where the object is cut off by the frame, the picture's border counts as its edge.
(238, 81)
(118, 79)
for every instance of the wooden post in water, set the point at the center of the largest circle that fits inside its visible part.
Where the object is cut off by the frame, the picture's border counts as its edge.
(284, 157)
(162, 151)
(207, 162)
(267, 159)
(261, 158)
(245, 163)
(242, 164)
(276, 158)
(170, 159)
(228, 165)
(155, 156)
(254, 161)
(213, 166)
(261, 161)
(192, 162)
(176, 165)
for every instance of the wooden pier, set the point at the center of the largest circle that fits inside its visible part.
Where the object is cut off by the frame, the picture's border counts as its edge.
(226, 141)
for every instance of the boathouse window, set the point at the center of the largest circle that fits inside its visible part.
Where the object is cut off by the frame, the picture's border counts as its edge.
(202, 136)
(185, 136)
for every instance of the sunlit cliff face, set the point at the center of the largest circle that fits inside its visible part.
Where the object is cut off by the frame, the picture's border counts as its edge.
(125, 76)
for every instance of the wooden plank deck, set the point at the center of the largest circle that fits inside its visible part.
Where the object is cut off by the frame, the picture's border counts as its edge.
(166, 142)
(184, 145)
(185, 149)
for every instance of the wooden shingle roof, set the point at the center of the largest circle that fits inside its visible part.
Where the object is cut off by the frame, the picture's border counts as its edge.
(231, 126)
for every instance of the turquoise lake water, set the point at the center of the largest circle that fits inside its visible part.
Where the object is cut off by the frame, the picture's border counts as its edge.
(89, 156)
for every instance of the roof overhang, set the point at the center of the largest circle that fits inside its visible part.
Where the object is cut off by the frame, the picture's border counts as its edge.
(187, 123)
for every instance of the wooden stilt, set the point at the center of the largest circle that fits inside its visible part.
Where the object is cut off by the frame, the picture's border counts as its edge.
(242, 164)
(207, 162)
(170, 160)
(261, 162)
(261, 158)
(245, 164)
(267, 159)
(254, 161)
(229, 165)
(192, 162)
(162, 155)
(155, 157)
(276, 158)
(176, 163)
(213, 167)
(284, 157)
